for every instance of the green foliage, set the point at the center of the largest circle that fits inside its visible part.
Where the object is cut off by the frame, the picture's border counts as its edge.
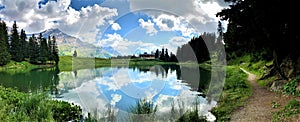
(290, 87)
(4, 50)
(235, 93)
(91, 118)
(292, 108)
(15, 44)
(44, 54)
(54, 50)
(192, 115)
(195, 50)
(265, 32)
(19, 49)
(17, 106)
(4, 57)
(275, 104)
(17, 67)
(144, 110)
(108, 116)
(33, 49)
(156, 54)
(24, 44)
(35, 107)
(64, 111)
(246, 61)
(163, 55)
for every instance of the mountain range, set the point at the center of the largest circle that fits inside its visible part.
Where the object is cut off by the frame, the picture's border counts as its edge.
(68, 44)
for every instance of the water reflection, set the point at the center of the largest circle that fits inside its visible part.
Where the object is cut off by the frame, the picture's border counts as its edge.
(121, 87)
(35, 80)
(118, 88)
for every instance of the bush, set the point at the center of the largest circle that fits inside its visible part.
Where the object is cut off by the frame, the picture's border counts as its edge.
(143, 111)
(290, 87)
(18, 106)
(292, 108)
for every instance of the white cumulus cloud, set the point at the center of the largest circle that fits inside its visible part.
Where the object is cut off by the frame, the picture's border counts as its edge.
(57, 14)
(172, 23)
(123, 45)
(115, 27)
(193, 11)
(115, 98)
(149, 26)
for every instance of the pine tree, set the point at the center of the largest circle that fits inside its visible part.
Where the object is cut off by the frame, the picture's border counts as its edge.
(156, 54)
(15, 45)
(55, 50)
(167, 55)
(24, 44)
(173, 58)
(162, 55)
(43, 57)
(50, 49)
(33, 49)
(220, 31)
(4, 51)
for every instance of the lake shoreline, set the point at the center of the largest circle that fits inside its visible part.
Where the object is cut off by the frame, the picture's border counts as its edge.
(54, 72)
(68, 63)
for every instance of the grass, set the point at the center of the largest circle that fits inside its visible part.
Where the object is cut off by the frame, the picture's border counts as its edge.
(143, 111)
(255, 67)
(235, 93)
(290, 110)
(192, 115)
(68, 63)
(18, 106)
(18, 67)
(237, 89)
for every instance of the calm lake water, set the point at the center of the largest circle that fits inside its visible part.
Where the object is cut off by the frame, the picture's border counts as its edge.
(98, 89)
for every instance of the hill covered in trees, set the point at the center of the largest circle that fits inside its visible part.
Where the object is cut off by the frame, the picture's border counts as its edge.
(16, 47)
(196, 50)
(200, 49)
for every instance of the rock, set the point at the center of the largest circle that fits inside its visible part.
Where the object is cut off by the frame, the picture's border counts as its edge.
(277, 85)
(268, 71)
(288, 68)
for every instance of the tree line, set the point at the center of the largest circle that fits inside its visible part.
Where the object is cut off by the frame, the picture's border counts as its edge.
(266, 30)
(164, 55)
(197, 49)
(16, 47)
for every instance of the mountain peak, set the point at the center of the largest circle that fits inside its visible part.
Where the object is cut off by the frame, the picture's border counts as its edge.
(66, 43)
(55, 32)
(52, 30)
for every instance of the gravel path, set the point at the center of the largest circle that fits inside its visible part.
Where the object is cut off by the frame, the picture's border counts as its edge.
(259, 106)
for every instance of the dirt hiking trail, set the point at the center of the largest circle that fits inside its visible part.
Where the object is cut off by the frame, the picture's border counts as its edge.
(258, 107)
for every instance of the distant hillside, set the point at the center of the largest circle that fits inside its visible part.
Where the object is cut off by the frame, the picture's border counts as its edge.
(67, 44)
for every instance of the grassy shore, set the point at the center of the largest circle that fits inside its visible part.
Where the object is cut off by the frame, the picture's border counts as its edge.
(235, 93)
(68, 63)
(237, 90)
(14, 67)
(19, 106)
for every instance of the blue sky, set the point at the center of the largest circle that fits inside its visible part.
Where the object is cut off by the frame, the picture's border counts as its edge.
(125, 25)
